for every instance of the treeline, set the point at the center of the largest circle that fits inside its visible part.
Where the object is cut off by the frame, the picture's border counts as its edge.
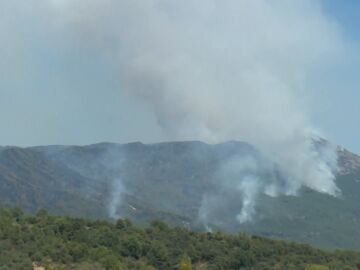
(53, 242)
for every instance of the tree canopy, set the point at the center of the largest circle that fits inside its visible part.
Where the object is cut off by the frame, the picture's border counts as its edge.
(56, 243)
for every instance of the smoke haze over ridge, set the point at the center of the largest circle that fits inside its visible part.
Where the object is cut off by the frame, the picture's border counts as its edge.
(218, 71)
(221, 70)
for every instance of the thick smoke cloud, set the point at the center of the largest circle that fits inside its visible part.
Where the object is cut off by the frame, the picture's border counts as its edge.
(223, 70)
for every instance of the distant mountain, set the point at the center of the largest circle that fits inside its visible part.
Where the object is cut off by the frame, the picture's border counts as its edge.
(168, 181)
(30, 180)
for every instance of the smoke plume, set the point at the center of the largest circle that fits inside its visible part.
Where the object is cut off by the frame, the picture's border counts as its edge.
(223, 70)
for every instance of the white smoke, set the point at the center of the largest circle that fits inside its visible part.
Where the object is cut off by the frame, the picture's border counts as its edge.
(216, 70)
(242, 173)
(117, 194)
(248, 189)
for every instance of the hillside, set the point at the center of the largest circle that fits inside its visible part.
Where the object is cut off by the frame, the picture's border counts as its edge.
(60, 243)
(169, 181)
(28, 179)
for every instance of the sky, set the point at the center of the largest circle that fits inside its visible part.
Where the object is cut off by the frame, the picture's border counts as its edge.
(58, 88)
(340, 118)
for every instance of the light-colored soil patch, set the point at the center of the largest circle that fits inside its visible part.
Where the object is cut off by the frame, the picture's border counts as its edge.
(38, 267)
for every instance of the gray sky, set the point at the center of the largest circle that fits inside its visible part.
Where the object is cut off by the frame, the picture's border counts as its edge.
(55, 88)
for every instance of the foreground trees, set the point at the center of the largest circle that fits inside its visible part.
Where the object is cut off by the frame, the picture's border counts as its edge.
(316, 267)
(67, 243)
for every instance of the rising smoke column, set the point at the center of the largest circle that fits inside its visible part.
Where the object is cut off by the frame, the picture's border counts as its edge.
(223, 70)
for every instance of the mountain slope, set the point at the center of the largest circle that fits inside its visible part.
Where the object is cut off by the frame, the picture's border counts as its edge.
(29, 180)
(169, 181)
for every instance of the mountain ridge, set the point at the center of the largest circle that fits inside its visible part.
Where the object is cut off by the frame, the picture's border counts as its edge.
(168, 181)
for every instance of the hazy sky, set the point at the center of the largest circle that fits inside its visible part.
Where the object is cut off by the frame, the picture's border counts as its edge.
(56, 90)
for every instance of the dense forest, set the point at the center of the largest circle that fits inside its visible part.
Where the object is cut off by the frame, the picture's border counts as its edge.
(53, 242)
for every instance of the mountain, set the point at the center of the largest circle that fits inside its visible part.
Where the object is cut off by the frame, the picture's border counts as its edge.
(30, 180)
(169, 181)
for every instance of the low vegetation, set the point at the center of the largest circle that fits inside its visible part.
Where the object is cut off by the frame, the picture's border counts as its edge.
(52, 242)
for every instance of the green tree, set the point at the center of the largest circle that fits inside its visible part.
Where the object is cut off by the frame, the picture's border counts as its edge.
(316, 267)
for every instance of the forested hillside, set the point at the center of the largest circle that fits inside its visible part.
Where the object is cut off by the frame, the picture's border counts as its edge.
(52, 242)
(173, 182)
